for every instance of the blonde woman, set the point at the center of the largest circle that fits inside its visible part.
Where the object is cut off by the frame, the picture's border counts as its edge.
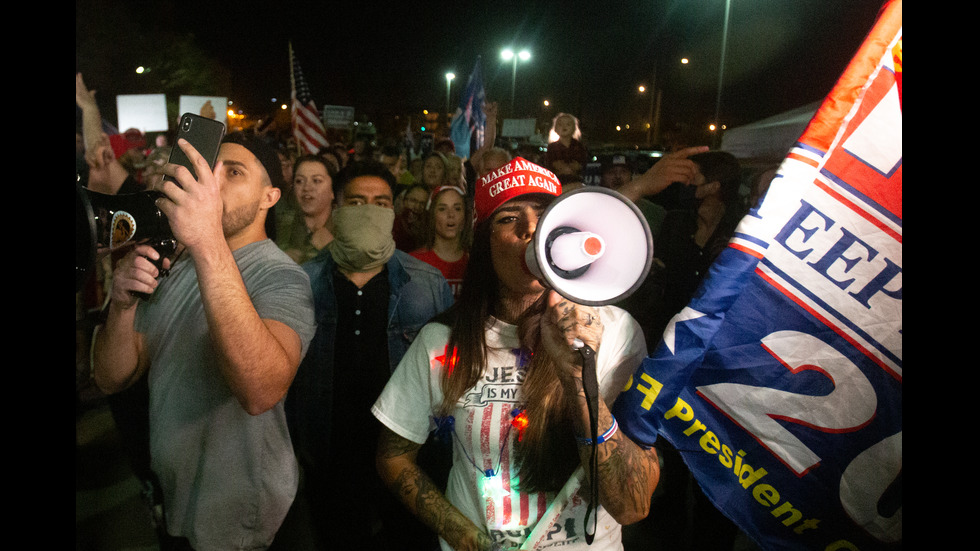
(566, 155)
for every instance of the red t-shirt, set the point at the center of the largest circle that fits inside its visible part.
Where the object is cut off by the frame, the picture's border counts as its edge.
(452, 271)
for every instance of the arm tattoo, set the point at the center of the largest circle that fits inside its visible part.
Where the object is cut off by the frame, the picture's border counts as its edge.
(423, 498)
(418, 493)
(627, 473)
(635, 469)
(391, 445)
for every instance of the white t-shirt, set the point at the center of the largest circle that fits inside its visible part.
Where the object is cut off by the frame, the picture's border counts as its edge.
(483, 417)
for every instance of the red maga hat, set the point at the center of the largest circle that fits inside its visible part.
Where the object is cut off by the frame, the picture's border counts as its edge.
(130, 139)
(518, 177)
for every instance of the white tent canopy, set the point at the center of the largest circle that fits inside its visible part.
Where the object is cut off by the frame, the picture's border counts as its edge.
(770, 138)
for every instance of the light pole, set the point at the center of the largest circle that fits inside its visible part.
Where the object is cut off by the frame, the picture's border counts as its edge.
(653, 115)
(721, 75)
(509, 55)
(656, 97)
(449, 84)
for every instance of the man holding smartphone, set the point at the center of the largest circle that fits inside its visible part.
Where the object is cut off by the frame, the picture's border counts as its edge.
(221, 338)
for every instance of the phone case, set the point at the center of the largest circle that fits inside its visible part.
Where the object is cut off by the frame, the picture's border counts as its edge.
(201, 132)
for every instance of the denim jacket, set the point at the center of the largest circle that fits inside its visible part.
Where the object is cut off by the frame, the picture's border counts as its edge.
(418, 292)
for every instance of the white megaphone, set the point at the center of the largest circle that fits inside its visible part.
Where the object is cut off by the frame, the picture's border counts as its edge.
(592, 245)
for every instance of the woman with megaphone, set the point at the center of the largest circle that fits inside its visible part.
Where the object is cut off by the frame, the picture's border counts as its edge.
(499, 380)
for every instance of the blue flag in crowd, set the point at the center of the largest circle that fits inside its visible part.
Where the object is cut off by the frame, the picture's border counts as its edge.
(469, 122)
(781, 382)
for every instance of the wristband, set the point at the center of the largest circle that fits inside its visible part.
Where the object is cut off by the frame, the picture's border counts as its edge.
(602, 437)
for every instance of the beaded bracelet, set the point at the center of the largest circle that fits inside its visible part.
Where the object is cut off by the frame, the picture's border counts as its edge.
(602, 437)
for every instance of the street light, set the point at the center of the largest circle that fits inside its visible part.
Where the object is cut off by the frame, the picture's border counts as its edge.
(449, 83)
(508, 55)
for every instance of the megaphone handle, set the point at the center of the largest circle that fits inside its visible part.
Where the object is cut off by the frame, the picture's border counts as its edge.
(165, 247)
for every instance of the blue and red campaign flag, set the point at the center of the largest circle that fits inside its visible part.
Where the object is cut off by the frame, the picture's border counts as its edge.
(308, 128)
(781, 381)
(469, 122)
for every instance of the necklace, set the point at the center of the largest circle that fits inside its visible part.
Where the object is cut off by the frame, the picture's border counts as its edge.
(310, 230)
(490, 484)
(315, 226)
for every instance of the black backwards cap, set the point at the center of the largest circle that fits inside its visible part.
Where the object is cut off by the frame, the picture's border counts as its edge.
(264, 152)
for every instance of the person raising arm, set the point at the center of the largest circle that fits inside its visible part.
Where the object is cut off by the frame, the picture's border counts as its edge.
(220, 339)
(259, 357)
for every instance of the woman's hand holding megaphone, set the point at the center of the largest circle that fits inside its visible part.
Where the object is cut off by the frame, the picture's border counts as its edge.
(565, 322)
(673, 167)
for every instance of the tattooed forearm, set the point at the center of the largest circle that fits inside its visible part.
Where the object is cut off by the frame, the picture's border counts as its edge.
(430, 505)
(628, 474)
(396, 465)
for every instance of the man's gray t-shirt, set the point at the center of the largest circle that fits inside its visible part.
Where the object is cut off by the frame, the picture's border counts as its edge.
(228, 477)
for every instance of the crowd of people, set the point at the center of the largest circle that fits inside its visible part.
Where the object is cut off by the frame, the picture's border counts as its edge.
(348, 352)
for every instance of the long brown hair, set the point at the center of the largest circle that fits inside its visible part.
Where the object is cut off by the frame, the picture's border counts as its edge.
(546, 452)
(428, 238)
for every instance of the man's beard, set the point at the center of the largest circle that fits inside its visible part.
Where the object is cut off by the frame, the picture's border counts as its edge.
(235, 221)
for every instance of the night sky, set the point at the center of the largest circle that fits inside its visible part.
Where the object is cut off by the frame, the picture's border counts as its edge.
(587, 57)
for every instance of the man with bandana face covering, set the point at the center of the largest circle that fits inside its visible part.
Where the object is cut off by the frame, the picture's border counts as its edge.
(371, 300)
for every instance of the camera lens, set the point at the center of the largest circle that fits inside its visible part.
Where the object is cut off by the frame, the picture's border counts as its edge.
(186, 125)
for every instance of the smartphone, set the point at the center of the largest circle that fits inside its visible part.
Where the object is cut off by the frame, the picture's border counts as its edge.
(205, 135)
(201, 132)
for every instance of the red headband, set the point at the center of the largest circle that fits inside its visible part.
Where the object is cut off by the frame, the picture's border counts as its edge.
(440, 189)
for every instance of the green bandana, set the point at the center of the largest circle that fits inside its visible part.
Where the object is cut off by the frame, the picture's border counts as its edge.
(362, 237)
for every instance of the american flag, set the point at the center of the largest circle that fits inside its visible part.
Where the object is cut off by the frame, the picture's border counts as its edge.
(308, 129)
